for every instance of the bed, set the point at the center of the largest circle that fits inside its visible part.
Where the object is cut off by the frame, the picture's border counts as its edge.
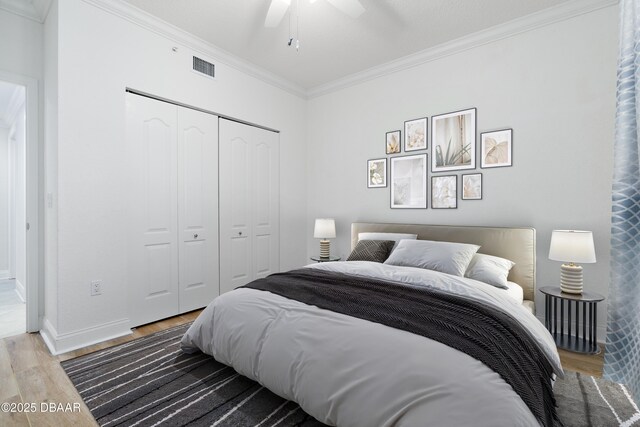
(517, 244)
(322, 337)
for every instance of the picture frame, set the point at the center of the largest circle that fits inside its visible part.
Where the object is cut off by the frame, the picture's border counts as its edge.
(377, 173)
(409, 182)
(415, 135)
(471, 187)
(392, 142)
(496, 149)
(453, 141)
(444, 192)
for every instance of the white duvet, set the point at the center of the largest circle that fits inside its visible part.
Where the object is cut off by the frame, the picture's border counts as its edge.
(347, 371)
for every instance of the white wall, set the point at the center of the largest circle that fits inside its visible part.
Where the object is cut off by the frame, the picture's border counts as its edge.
(555, 86)
(4, 204)
(100, 55)
(21, 56)
(51, 165)
(17, 152)
(20, 45)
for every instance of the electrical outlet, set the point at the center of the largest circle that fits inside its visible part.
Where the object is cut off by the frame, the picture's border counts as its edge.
(96, 288)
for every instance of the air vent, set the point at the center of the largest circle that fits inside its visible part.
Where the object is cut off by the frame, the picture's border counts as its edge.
(204, 67)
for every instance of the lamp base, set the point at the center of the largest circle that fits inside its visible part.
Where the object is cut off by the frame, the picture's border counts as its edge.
(324, 248)
(571, 278)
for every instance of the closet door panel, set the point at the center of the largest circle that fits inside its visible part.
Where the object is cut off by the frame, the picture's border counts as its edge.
(198, 208)
(153, 246)
(236, 176)
(266, 227)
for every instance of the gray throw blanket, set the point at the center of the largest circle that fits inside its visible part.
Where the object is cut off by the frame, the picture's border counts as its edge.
(480, 331)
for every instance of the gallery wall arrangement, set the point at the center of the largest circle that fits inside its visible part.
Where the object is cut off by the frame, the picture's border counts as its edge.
(453, 148)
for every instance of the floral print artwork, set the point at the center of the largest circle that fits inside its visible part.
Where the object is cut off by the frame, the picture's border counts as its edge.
(443, 192)
(415, 135)
(377, 173)
(393, 142)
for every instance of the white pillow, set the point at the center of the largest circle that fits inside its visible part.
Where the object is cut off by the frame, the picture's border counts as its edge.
(396, 237)
(446, 257)
(489, 269)
(515, 291)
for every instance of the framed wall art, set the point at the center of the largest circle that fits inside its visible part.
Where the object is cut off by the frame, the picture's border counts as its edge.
(377, 173)
(415, 135)
(409, 182)
(495, 148)
(392, 141)
(453, 141)
(444, 192)
(472, 186)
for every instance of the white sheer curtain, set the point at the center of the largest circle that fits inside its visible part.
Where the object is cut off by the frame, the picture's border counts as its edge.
(622, 357)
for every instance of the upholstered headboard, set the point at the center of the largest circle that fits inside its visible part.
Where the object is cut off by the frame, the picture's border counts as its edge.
(516, 244)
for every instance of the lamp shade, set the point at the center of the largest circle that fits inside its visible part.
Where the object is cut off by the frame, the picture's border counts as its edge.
(572, 246)
(325, 228)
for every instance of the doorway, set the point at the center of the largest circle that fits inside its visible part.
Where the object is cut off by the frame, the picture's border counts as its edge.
(13, 214)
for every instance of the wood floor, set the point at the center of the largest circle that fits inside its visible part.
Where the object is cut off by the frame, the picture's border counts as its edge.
(13, 313)
(29, 374)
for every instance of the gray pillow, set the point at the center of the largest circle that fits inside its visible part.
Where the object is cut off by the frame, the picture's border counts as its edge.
(396, 237)
(371, 250)
(446, 257)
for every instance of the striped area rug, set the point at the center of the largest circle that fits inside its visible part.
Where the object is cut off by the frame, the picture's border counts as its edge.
(151, 382)
(584, 401)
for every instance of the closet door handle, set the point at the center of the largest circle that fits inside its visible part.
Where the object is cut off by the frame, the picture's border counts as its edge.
(239, 233)
(195, 236)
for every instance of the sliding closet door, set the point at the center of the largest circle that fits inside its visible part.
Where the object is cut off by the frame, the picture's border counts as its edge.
(266, 204)
(153, 213)
(249, 204)
(197, 208)
(235, 170)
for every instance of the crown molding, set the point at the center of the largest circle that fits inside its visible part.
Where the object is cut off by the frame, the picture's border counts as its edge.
(152, 23)
(517, 26)
(512, 28)
(36, 10)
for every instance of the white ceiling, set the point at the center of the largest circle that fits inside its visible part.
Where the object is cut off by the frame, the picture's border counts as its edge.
(333, 45)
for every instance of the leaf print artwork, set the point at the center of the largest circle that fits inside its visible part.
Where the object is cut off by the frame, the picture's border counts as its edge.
(496, 148)
(495, 152)
(453, 141)
(472, 186)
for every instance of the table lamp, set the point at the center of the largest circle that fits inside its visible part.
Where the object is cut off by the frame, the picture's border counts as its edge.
(325, 229)
(572, 247)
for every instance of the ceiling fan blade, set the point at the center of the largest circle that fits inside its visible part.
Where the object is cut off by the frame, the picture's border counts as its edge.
(353, 8)
(276, 12)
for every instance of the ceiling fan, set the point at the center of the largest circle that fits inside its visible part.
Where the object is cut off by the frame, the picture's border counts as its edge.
(278, 8)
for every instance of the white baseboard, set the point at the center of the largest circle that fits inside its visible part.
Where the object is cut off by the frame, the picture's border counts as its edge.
(21, 291)
(4, 274)
(63, 343)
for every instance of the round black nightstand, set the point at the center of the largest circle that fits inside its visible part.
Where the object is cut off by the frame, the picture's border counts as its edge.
(587, 342)
(330, 259)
